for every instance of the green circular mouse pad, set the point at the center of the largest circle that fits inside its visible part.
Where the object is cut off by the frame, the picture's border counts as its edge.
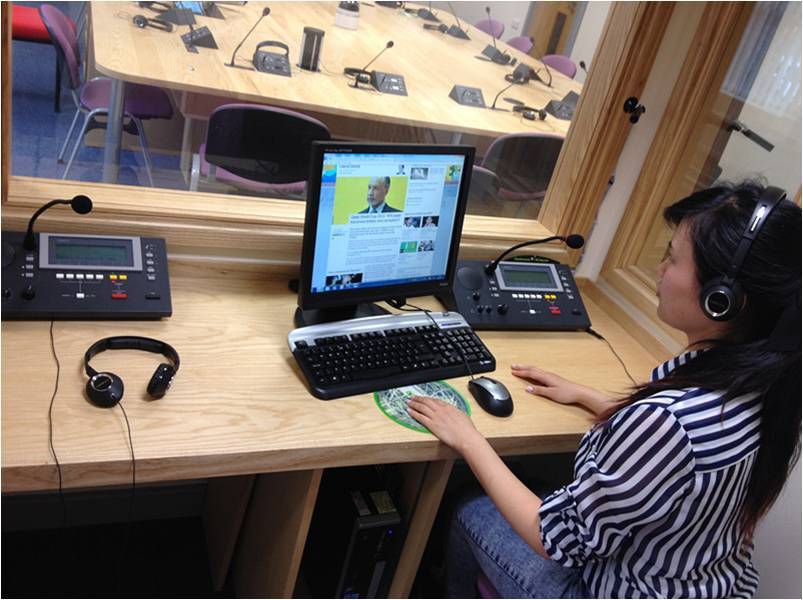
(394, 402)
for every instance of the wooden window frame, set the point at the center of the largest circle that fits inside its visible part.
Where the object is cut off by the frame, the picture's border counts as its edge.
(247, 230)
(623, 288)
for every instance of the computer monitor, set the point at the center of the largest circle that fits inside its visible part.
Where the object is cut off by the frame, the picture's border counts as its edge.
(383, 222)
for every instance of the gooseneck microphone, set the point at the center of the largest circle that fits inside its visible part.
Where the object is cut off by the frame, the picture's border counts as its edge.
(574, 241)
(502, 91)
(490, 28)
(80, 204)
(265, 13)
(362, 74)
(456, 30)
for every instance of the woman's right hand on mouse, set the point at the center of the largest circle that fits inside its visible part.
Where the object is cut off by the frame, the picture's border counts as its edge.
(556, 388)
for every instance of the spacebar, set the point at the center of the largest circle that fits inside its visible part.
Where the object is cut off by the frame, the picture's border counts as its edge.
(375, 373)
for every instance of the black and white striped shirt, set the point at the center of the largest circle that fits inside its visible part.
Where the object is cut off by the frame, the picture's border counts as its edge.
(654, 507)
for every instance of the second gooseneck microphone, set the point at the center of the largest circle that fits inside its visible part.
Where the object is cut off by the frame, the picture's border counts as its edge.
(362, 75)
(80, 204)
(265, 13)
(574, 241)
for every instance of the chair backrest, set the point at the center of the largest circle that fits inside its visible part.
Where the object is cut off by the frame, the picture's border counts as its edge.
(62, 31)
(262, 143)
(491, 27)
(523, 162)
(562, 63)
(523, 43)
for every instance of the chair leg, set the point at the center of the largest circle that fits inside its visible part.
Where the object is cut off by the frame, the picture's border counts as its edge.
(78, 143)
(195, 172)
(145, 153)
(60, 159)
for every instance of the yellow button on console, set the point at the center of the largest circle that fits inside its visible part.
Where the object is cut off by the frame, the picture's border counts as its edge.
(123, 277)
(113, 277)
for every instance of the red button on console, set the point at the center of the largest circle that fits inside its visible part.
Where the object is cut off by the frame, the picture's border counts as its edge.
(119, 295)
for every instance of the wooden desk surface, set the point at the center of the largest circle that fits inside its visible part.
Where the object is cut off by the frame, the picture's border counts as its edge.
(238, 404)
(430, 61)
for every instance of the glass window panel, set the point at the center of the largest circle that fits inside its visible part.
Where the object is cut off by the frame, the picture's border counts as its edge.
(757, 117)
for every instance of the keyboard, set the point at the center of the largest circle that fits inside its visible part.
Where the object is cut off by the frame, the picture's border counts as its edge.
(367, 354)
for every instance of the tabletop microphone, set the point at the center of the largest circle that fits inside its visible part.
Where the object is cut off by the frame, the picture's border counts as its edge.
(80, 204)
(265, 13)
(574, 241)
(582, 64)
(361, 75)
(503, 90)
(456, 30)
(493, 52)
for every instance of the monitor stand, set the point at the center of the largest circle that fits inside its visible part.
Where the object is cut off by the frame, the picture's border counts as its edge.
(318, 316)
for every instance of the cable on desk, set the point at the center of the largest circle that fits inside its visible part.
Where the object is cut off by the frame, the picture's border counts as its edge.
(50, 426)
(599, 336)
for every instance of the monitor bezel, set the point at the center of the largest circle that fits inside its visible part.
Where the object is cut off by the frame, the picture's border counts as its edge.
(336, 298)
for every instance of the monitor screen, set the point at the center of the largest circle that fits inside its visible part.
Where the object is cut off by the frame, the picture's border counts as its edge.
(383, 221)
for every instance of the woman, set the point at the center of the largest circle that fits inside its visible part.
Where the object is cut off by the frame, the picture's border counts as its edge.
(671, 481)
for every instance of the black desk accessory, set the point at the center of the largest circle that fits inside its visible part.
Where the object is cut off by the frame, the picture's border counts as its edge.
(491, 51)
(69, 276)
(205, 9)
(388, 83)
(265, 13)
(467, 96)
(563, 109)
(199, 38)
(274, 63)
(523, 73)
(311, 43)
(442, 28)
(427, 14)
(142, 22)
(456, 30)
(523, 293)
(530, 113)
(178, 16)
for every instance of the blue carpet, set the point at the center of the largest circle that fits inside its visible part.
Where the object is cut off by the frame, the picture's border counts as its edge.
(38, 131)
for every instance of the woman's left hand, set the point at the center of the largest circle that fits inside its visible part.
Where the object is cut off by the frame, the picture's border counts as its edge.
(452, 426)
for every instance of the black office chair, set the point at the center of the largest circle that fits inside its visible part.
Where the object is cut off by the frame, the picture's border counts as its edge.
(260, 149)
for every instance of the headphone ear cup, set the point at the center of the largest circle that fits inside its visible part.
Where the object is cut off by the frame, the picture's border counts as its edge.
(160, 381)
(721, 299)
(104, 390)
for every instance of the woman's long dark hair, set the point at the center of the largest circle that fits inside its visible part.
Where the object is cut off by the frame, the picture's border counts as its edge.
(744, 361)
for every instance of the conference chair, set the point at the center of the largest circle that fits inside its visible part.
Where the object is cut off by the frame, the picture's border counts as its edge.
(259, 149)
(561, 63)
(91, 98)
(522, 165)
(491, 27)
(524, 43)
(27, 26)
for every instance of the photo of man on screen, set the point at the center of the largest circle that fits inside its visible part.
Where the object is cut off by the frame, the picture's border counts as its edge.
(378, 188)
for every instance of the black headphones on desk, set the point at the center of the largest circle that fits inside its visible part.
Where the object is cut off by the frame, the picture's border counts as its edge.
(722, 297)
(106, 389)
(142, 22)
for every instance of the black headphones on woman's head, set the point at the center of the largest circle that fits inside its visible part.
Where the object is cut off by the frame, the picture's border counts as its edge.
(722, 297)
(106, 389)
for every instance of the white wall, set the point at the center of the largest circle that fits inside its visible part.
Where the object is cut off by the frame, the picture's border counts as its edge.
(585, 43)
(512, 14)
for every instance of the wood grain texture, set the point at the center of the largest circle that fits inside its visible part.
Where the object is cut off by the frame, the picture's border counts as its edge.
(430, 62)
(273, 536)
(239, 405)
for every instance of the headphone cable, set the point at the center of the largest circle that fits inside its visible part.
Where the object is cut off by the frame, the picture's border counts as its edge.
(599, 336)
(50, 426)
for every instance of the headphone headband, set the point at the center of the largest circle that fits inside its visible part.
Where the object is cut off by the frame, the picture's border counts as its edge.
(130, 342)
(271, 43)
(771, 197)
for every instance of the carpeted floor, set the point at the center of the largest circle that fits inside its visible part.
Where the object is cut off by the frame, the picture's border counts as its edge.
(38, 132)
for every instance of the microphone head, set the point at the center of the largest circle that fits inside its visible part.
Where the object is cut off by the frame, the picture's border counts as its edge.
(265, 11)
(81, 204)
(575, 241)
(488, 10)
(389, 44)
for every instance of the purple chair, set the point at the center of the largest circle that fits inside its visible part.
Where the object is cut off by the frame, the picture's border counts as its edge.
(523, 43)
(491, 27)
(561, 63)
(256, 148)
(92, 97)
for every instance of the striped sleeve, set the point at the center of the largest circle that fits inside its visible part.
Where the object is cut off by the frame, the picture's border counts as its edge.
(638, 473)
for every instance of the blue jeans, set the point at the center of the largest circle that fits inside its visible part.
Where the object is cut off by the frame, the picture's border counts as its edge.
(480, 539)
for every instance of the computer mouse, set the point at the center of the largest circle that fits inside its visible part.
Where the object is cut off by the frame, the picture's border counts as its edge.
(492, 396)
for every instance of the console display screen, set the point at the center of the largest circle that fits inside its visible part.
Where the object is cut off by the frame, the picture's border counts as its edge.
(77, 251)
(528, 277)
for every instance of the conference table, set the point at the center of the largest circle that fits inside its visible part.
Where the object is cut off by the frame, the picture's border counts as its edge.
(239, 416)
(430, 61)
